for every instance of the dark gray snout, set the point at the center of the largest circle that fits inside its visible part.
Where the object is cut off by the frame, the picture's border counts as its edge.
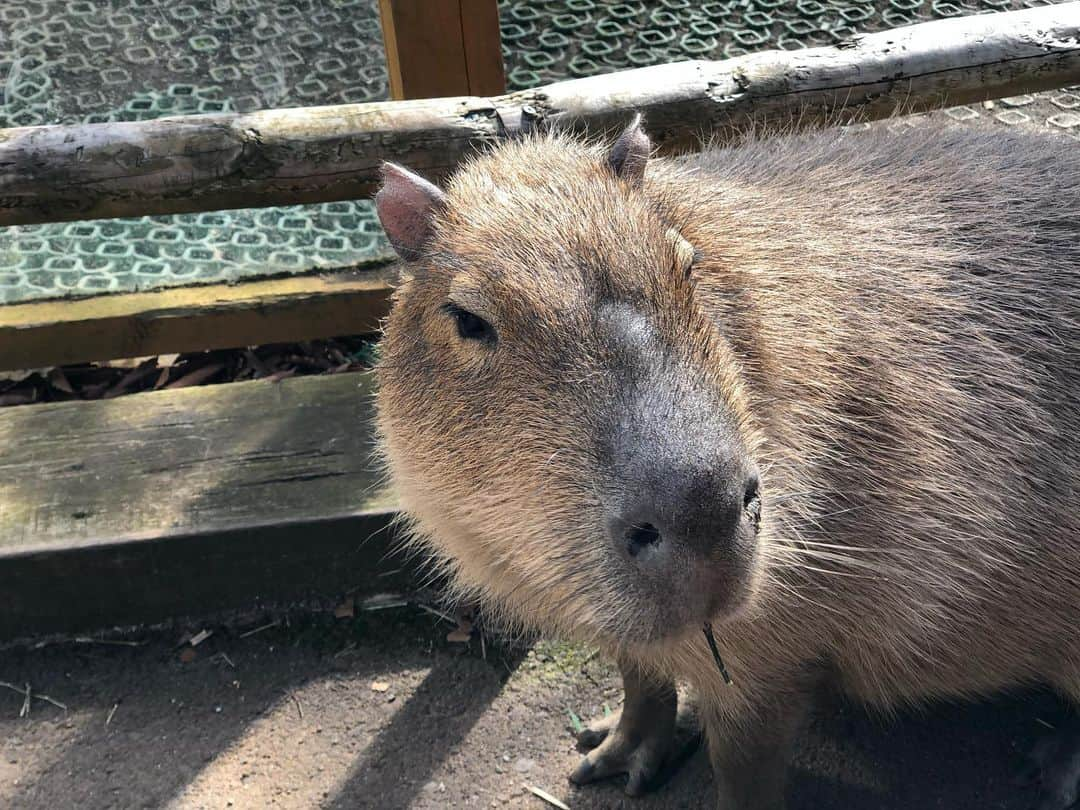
(684, 518)
(680, 488)
(670, 510)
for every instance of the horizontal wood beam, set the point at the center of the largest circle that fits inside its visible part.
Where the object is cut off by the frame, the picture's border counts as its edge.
(156, 505)
(219, 316)
(318, 154)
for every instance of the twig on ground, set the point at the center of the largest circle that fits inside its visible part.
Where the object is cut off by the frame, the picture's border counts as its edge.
(28, 694)
(435, 612)
(114, 642)
(224, 657)
(112, 711)
(200, 637)
(267, 626)
(48, 699)
(384, 601)
(547, 797)
(299, 708)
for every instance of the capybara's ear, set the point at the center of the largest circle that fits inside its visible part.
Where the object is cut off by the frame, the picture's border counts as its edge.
(630, 153)
(406, 204)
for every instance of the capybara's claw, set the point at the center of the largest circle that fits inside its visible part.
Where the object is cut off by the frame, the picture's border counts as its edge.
(596, 732)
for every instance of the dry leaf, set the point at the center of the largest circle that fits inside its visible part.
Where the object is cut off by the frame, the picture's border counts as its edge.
(119, 377)
(197, 376)
(129, 362)
(278, 376)
(188, 654)
(463, 631)
(144, 370)
(346, 609)
(57, 379)
(380, 686)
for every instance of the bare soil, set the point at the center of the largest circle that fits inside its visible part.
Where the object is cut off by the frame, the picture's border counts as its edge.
(381, 711)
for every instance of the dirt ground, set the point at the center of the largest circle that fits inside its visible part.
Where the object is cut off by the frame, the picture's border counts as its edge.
(381, 711)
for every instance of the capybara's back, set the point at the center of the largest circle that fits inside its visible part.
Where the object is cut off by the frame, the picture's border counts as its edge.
(819, 393)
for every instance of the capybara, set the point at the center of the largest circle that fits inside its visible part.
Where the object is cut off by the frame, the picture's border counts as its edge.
(812, 396)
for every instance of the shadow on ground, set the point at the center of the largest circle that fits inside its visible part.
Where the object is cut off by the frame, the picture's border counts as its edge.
(380, 711)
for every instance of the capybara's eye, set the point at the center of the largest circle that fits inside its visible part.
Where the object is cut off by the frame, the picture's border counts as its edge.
(469, 326)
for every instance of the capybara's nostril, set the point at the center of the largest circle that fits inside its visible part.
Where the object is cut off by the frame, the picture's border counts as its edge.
(752, 499)
(752, 491)
(640, 536)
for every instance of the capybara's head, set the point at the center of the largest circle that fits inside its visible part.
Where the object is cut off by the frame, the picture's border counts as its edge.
(563, 424)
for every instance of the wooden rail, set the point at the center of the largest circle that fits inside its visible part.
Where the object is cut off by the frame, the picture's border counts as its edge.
(184, 319)
(318, 154)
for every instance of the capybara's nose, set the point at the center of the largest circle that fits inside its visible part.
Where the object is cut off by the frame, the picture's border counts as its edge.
(688, 510)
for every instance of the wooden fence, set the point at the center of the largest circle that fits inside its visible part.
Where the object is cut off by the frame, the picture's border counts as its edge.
(320, 154)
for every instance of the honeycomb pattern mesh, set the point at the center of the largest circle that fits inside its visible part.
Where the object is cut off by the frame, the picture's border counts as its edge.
(69, 61)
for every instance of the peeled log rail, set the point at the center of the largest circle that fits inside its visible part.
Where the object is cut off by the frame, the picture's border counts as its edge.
(320, 154)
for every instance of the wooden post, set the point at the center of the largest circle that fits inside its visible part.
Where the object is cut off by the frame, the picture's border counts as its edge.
(438, 48)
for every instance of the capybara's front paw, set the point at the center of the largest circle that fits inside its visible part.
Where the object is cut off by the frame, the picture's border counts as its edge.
(617, 747)
(648, 740)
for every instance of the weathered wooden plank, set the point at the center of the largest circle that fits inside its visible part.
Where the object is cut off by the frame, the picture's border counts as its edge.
(80, 590)
(183, 319)
(317, 154)
(442, 48)
(186, 462)
(141, 507)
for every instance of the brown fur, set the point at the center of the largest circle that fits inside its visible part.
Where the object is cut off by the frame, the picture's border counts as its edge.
(890, 319)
